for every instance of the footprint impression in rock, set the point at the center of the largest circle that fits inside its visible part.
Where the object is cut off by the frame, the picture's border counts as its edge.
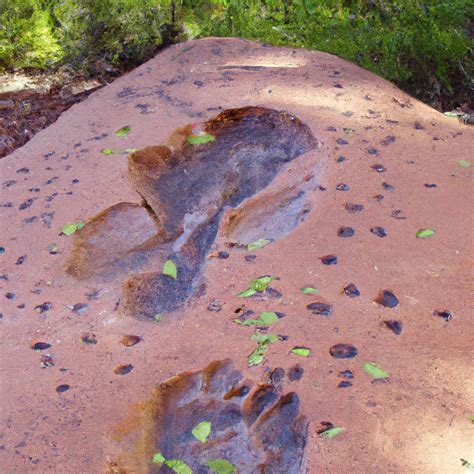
(186, 187)
(251, 426)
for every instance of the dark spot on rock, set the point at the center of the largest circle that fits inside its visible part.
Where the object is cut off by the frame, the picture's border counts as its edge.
(26, 204)
(198, 83)
(373, 151)
(342, 187)
(445, 314)
(319, 308)
(324, 426)
(295, 373)
(388, 187)
(379, 197)
(223, 254)
(430, 185)
(21, 306)
(329, 260)
(21, 260)
(351, 291)
(123, 369)
(34, 190)
(250, 258)
(10, 296)
(379, 168)
(96, 293)
(418, 126)
(7, 204)
(53, 249)
(344, 384)
(88, 338)
(387, 140)
(341, 141)
(62, 388)
(80, 308)
(29, 220)
(276, 378)
(343, 351)
(23, 171)
(331, 129)
(346, 374)
(2, 249)
(396, 214)
(272, 293)
(387, 298)
(40, 346)
(338, 86)
(321, 188)
(8, 183)
(345, 232)
(379, 231)
(341, 158)
(47, 361)
(130, 340)
(43, 307)
(353, 208)
(395, 325)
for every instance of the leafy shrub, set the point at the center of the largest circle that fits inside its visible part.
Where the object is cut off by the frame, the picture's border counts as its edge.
(422, 45)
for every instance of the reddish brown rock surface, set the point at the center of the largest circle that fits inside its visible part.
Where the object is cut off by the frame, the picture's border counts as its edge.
(414, 421)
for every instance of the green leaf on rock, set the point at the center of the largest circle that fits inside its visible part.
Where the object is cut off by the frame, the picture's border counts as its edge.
(169, 268)
(266, 319)
(258, 244)
(425, 233)
(200, 139)
(246, 293)
(202, 431)
(221, 466)
(465, 163)
(123, 132)
(301, 351)
(108, 151)
(375, 371)
(157, 317)
(178, 466)
(131, 150)
(261, 283)
(309, 290)
(69, 229)
(332, 432)
(258, 355)
(158, 458)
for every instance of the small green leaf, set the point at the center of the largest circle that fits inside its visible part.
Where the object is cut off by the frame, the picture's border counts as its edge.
(221, 466)
(258, 355)
(453, 114)
(169, 268)
(465, 163)
(302, 351)
(108, 151)
(158, 458)
(131, 150)
(79, 225)
(268, 317)
(258, 244)
(332, 432)
(178, 466)
(157, 317)
(261, 283)
(309, 290)
(200, 139)
(246, 293)
(348, 130)
(425, 233)
(124, 131)
(373, 370)
(202, 431)
(69, 229)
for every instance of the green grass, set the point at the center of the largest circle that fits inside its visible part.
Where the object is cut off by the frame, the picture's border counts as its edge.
(423, 46)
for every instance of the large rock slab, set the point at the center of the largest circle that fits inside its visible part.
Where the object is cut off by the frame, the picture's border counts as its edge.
(386, 166)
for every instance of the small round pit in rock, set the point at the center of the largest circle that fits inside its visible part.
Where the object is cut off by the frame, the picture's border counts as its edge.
(40, 346)
(343, 351)
(62, 388)
(351, 290)
(395, 326)
(319, 308)
(123, 369)
(295, 373)
(344, 384)
(329, 260)
(379, 231)
(345, 232)
(445, 314)
(43, 307)
(387, 298)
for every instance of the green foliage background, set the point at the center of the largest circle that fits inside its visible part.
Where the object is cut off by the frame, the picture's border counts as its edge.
(425, 46)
